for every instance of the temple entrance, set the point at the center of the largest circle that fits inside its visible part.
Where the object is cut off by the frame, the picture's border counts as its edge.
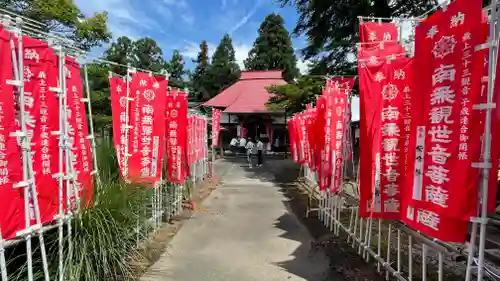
(255, 126)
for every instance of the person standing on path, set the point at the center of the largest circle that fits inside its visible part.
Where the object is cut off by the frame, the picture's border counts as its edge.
(234, 144)
(260, 151)
(250, 147)
(243, 145)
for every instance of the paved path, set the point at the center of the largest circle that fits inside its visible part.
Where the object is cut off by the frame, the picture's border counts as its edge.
(243, 232)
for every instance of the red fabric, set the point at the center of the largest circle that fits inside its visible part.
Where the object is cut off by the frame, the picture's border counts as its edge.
(335, 131)
(377, 32)
(176, 135)
(11, 199)
(444, 191)
(310, 116)
(302, 138)
(248, 94)
(145, 141)
(190, 141)
(119, 115)
(215, 126)
(341, 83)
(292, 135)
(383, 89)
(376, 55)
(42, 112)
(81, 153)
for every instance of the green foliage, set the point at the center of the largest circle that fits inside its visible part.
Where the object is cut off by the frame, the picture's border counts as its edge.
(147, 55)
(224, 71)
(332, 27)
(272, 50)
(175, 68)
(64, 18)
(120, 51)
(294, 97)
(143, 53)
(200, 82)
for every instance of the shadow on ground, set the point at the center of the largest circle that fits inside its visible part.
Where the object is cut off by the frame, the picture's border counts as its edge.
(345, 263)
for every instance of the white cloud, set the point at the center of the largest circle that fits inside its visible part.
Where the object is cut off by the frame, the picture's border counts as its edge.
(245, 18)
(178, 3)
(241, 53)
(303, 66)
(188, 18)
(191, 49)
(124, 19)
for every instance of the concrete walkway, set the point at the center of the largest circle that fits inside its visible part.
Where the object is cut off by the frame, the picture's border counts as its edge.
(243, 232)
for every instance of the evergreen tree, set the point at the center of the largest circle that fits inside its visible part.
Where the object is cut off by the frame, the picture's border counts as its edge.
(224, 70)
(272, 50)
(147, 55)
(332, 27)
(199, 78)
(175, 68)
(120, 52)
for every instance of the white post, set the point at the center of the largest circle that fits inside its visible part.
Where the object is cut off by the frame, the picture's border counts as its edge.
(61, 218)
(3, 264)
(487, 139)
(30, 196)
(91, 137)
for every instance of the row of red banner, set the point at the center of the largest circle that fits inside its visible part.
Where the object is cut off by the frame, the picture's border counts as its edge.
(150, 121)
(420, 137)
(42, 112)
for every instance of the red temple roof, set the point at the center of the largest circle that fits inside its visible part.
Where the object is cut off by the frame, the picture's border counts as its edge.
(248, 94)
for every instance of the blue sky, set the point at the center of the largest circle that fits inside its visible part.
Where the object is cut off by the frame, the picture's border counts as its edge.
(183, 24)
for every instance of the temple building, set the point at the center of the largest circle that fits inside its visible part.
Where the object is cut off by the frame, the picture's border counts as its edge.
(244, 111)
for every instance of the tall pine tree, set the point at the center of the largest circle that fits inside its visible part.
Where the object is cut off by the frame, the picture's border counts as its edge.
(175, 68)
(224, 71)
(332, 27)
(148, 55)
(272, 50)
(200, 79)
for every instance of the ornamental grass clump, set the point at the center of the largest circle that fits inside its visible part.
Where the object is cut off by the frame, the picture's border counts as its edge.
(102, 245)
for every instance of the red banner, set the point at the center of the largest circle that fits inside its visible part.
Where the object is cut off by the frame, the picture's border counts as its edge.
(377, 32)
(384, 108)
(80, 151)
(444, 193)
(177, 124)
(341, 83)
(190, 141)
(310, 116)
(335, 135)
(118, 90)
(302, 138)
(215, 126)
(292, 135)
(145, 141)
(42, 118)
(11, 199)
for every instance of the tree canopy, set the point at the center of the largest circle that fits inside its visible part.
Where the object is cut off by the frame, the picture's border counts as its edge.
(175, 68)
(294, 97)
(65, 19)
(224, 70)
(332, 27)
(200, 81)
(272, 50)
